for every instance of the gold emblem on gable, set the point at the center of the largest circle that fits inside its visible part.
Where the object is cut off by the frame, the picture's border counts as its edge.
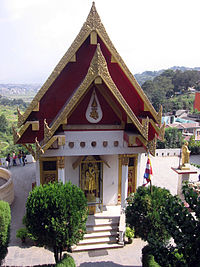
(94, 112)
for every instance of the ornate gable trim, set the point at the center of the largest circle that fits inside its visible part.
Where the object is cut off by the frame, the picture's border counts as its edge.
(93, 23)
(98, 68)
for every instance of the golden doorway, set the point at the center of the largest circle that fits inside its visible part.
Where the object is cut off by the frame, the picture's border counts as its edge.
(91, 182)
(48, 170)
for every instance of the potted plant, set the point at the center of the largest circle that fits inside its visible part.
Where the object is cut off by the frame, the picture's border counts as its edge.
(130, 233)
(22, 233)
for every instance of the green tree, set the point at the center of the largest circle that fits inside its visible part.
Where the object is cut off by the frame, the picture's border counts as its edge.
(3, 123)
(56, 215)
(5, 220)
(172, 139)
(148, 88)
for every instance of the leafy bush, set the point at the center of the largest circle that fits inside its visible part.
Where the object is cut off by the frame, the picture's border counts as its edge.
(66, 261)
(56, 215)
(143, 213)
(22, 233)
(129, 233)
(5, 220)
(148, 259)
(175, 220)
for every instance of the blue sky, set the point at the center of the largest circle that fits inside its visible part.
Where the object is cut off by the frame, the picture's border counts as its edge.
(149, 35)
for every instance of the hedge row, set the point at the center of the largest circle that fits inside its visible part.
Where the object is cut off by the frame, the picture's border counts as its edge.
(5, 220)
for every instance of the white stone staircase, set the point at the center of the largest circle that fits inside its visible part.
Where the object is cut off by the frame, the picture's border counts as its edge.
(102, 233)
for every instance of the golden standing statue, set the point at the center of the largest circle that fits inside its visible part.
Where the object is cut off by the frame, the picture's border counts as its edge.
(90, 180)
(185, 156)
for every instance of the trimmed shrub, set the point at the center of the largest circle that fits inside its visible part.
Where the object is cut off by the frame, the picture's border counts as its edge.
(56, 216)
(143, 213)
(5, 220)
(66, 261)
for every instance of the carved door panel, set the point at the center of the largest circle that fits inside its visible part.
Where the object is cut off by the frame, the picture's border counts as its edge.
(131, 176)
(48, 170)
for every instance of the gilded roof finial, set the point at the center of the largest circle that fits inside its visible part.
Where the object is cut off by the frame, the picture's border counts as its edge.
(93, 19)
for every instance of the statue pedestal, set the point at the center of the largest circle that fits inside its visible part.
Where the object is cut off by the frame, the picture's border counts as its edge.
(186, 166)
(183, 176)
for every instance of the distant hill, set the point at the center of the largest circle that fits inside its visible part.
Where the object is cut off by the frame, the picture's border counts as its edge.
(150, 75)
(18, 89)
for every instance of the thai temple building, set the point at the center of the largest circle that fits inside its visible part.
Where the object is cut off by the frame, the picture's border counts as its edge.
(90, 122)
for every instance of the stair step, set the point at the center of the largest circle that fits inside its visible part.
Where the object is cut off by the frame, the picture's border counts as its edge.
(107, 221)
(100, 228)
(95, 246)
(100, 234)
(108, 239)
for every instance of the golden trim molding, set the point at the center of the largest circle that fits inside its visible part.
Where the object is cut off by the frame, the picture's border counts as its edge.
(42, 149)
(93, 24)
(162, 132)
(20, 117)
(39, 149)
(16, 135)
(124, 160)
(160, 116)
(61, 162)
(152, 146)
(47, 132)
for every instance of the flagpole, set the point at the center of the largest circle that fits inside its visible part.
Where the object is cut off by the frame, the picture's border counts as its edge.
(151, 189)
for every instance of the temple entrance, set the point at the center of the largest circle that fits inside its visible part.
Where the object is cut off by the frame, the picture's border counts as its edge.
(91, 182)
(48, 170)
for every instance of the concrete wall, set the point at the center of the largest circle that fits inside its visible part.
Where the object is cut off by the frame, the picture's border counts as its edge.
(110, 180)
(7, 189)
(70, 173)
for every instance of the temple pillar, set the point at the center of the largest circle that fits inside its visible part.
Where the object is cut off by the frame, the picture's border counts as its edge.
(124, 186)
(61, 169)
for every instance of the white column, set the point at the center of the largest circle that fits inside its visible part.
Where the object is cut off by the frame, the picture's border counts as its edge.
(61, 169)
(124, 187)
(38, 174)
(61, 175)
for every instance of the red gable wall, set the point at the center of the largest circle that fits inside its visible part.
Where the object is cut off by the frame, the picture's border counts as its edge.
(69, 80)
